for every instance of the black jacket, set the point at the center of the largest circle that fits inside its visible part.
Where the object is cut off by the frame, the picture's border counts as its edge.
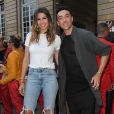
(86, 48)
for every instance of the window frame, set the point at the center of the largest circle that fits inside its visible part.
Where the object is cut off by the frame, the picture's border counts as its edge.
(2, 23)
(29, 4)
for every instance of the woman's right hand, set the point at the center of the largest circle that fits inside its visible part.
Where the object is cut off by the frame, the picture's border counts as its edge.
(21, 88)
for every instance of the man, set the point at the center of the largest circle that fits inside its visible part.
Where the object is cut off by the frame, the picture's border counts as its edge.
(79, 76)
(107, 78)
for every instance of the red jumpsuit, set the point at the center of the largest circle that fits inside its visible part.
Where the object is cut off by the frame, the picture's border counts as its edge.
(4, 92)
(107, 77)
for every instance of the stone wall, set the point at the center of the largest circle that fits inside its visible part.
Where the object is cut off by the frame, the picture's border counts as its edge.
(105, 10)
(13, 21)
(10, 17)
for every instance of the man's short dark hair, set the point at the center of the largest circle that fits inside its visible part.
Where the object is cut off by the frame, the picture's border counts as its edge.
(63, 8)
(101, 27)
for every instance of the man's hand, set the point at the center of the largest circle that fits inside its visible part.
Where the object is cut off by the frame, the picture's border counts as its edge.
(95, 81)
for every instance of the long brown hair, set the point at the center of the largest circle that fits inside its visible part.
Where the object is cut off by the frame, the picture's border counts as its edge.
(50, 33)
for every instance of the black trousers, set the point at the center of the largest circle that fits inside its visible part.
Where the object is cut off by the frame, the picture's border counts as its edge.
(109, 100)
(81, 103)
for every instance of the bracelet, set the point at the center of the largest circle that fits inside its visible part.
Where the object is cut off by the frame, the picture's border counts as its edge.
(22, 81)
(99, 73)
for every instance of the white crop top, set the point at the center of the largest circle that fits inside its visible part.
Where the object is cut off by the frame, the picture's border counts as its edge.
(41, 54)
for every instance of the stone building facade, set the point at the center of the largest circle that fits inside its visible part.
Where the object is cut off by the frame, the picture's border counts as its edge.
(105, 10)
(16, 16)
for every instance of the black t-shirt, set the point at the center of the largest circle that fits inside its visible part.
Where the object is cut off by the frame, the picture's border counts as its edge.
(75, 79)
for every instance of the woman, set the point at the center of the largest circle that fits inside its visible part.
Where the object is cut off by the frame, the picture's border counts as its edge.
(14, 66)
(41, 46)
(4, 91)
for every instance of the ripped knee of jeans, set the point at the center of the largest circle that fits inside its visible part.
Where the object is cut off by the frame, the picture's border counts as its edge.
(48, 111)
(27, 111)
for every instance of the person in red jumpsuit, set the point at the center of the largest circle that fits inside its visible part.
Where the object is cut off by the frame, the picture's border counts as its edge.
(107, 77)
(4, 92)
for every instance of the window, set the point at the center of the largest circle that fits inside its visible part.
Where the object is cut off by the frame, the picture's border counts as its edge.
(28, 1)
(28, 9)
(2, 19)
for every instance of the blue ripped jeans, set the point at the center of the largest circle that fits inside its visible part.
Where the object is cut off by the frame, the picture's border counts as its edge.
(41, 79)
